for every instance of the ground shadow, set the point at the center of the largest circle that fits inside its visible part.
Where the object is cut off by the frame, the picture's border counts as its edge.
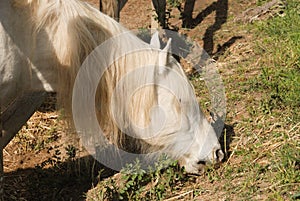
(226, 139)
(50, 103)
(69, 180)
(221, 9)
(222, 48)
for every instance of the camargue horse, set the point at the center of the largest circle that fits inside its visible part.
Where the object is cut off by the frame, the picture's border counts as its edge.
(43, 44)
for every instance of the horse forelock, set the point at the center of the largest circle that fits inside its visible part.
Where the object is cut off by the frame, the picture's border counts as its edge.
(122, 104)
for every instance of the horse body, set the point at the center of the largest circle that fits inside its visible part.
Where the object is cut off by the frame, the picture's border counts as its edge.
(25, 58)
(44, 43)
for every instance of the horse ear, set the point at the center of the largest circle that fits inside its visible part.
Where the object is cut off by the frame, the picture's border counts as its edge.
(168, 45)
(154, 42)
(163, 57)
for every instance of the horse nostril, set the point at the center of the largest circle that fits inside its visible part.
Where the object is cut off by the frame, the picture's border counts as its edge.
(219, 155)
(201, 163)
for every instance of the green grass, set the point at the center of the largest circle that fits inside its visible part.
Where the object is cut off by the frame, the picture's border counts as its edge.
(136, 183)
(280, 75)
(274, 133)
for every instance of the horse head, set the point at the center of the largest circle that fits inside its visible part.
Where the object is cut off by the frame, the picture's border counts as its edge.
(184, 131)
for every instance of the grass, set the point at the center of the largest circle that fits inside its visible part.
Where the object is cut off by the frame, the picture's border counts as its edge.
(270, 151)
(134, 183)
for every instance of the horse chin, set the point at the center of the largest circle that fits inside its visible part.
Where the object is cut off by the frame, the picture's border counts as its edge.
(194, 168)
(198, 167)
(191, 166)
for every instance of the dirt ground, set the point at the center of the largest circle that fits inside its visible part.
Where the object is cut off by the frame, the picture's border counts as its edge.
(36, 162)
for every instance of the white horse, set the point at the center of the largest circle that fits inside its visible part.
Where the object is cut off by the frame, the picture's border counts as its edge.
(43, 44)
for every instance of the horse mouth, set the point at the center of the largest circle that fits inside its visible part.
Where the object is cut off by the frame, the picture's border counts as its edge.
(219, 156)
